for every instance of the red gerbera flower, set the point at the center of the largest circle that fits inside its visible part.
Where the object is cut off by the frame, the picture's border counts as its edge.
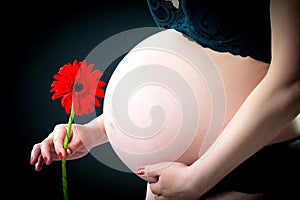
(77, 84)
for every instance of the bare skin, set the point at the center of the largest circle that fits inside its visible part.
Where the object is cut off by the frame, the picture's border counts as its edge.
(237, 87)
(250, 123)
(261, 119)
(249, 72)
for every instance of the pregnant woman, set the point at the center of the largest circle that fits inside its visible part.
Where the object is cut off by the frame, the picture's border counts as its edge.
(255, 48)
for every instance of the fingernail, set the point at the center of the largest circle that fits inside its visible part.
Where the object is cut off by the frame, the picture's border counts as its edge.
(45, 159)
(60, 155)
(141, 171)
(70, 151)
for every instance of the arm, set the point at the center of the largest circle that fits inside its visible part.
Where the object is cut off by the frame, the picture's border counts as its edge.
(269, 108)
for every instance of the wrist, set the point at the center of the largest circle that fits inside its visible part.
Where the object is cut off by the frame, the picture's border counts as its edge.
(203, 176)
(98, 131)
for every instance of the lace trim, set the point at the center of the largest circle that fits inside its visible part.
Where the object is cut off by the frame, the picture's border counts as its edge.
(218, 32)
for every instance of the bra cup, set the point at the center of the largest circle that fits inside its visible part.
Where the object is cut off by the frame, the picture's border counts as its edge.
(224, 26)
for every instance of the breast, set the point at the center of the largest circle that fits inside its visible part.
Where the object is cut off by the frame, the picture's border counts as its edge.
(167, 101)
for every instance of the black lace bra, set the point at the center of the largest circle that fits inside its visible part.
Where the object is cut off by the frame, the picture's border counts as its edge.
(235, 26)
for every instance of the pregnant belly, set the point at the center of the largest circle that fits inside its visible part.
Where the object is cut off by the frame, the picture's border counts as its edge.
(169, 99)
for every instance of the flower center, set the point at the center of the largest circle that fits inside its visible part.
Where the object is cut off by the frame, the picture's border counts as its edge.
(78, 87)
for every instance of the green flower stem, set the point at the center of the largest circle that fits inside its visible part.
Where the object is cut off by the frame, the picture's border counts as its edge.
(64, 161)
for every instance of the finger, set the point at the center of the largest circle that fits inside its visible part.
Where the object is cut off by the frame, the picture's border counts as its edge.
(155, 169)
(69, 151)
(149, 194)
(59, 134)
(148, 178)
(35, 153)
(152, 179)
(39, 164)
(155, 188)
(74, 140)
(46, 150)
(160, 197)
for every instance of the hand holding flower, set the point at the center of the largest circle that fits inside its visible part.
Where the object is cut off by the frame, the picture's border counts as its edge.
(82, 139)
(79, 88)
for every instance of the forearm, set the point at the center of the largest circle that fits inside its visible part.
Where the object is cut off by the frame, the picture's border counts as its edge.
(268, 109)
(98, 131)
(271, 106)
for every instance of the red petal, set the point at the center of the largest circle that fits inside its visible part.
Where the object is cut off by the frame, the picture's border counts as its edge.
(84, 101)
(101, 84)
(66, 102)
(97, 102)
(100, 93)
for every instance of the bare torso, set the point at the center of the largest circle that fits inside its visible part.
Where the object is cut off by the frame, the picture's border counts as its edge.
(240, 75)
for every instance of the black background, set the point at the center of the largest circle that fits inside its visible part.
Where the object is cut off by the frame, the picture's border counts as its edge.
(38, 38)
